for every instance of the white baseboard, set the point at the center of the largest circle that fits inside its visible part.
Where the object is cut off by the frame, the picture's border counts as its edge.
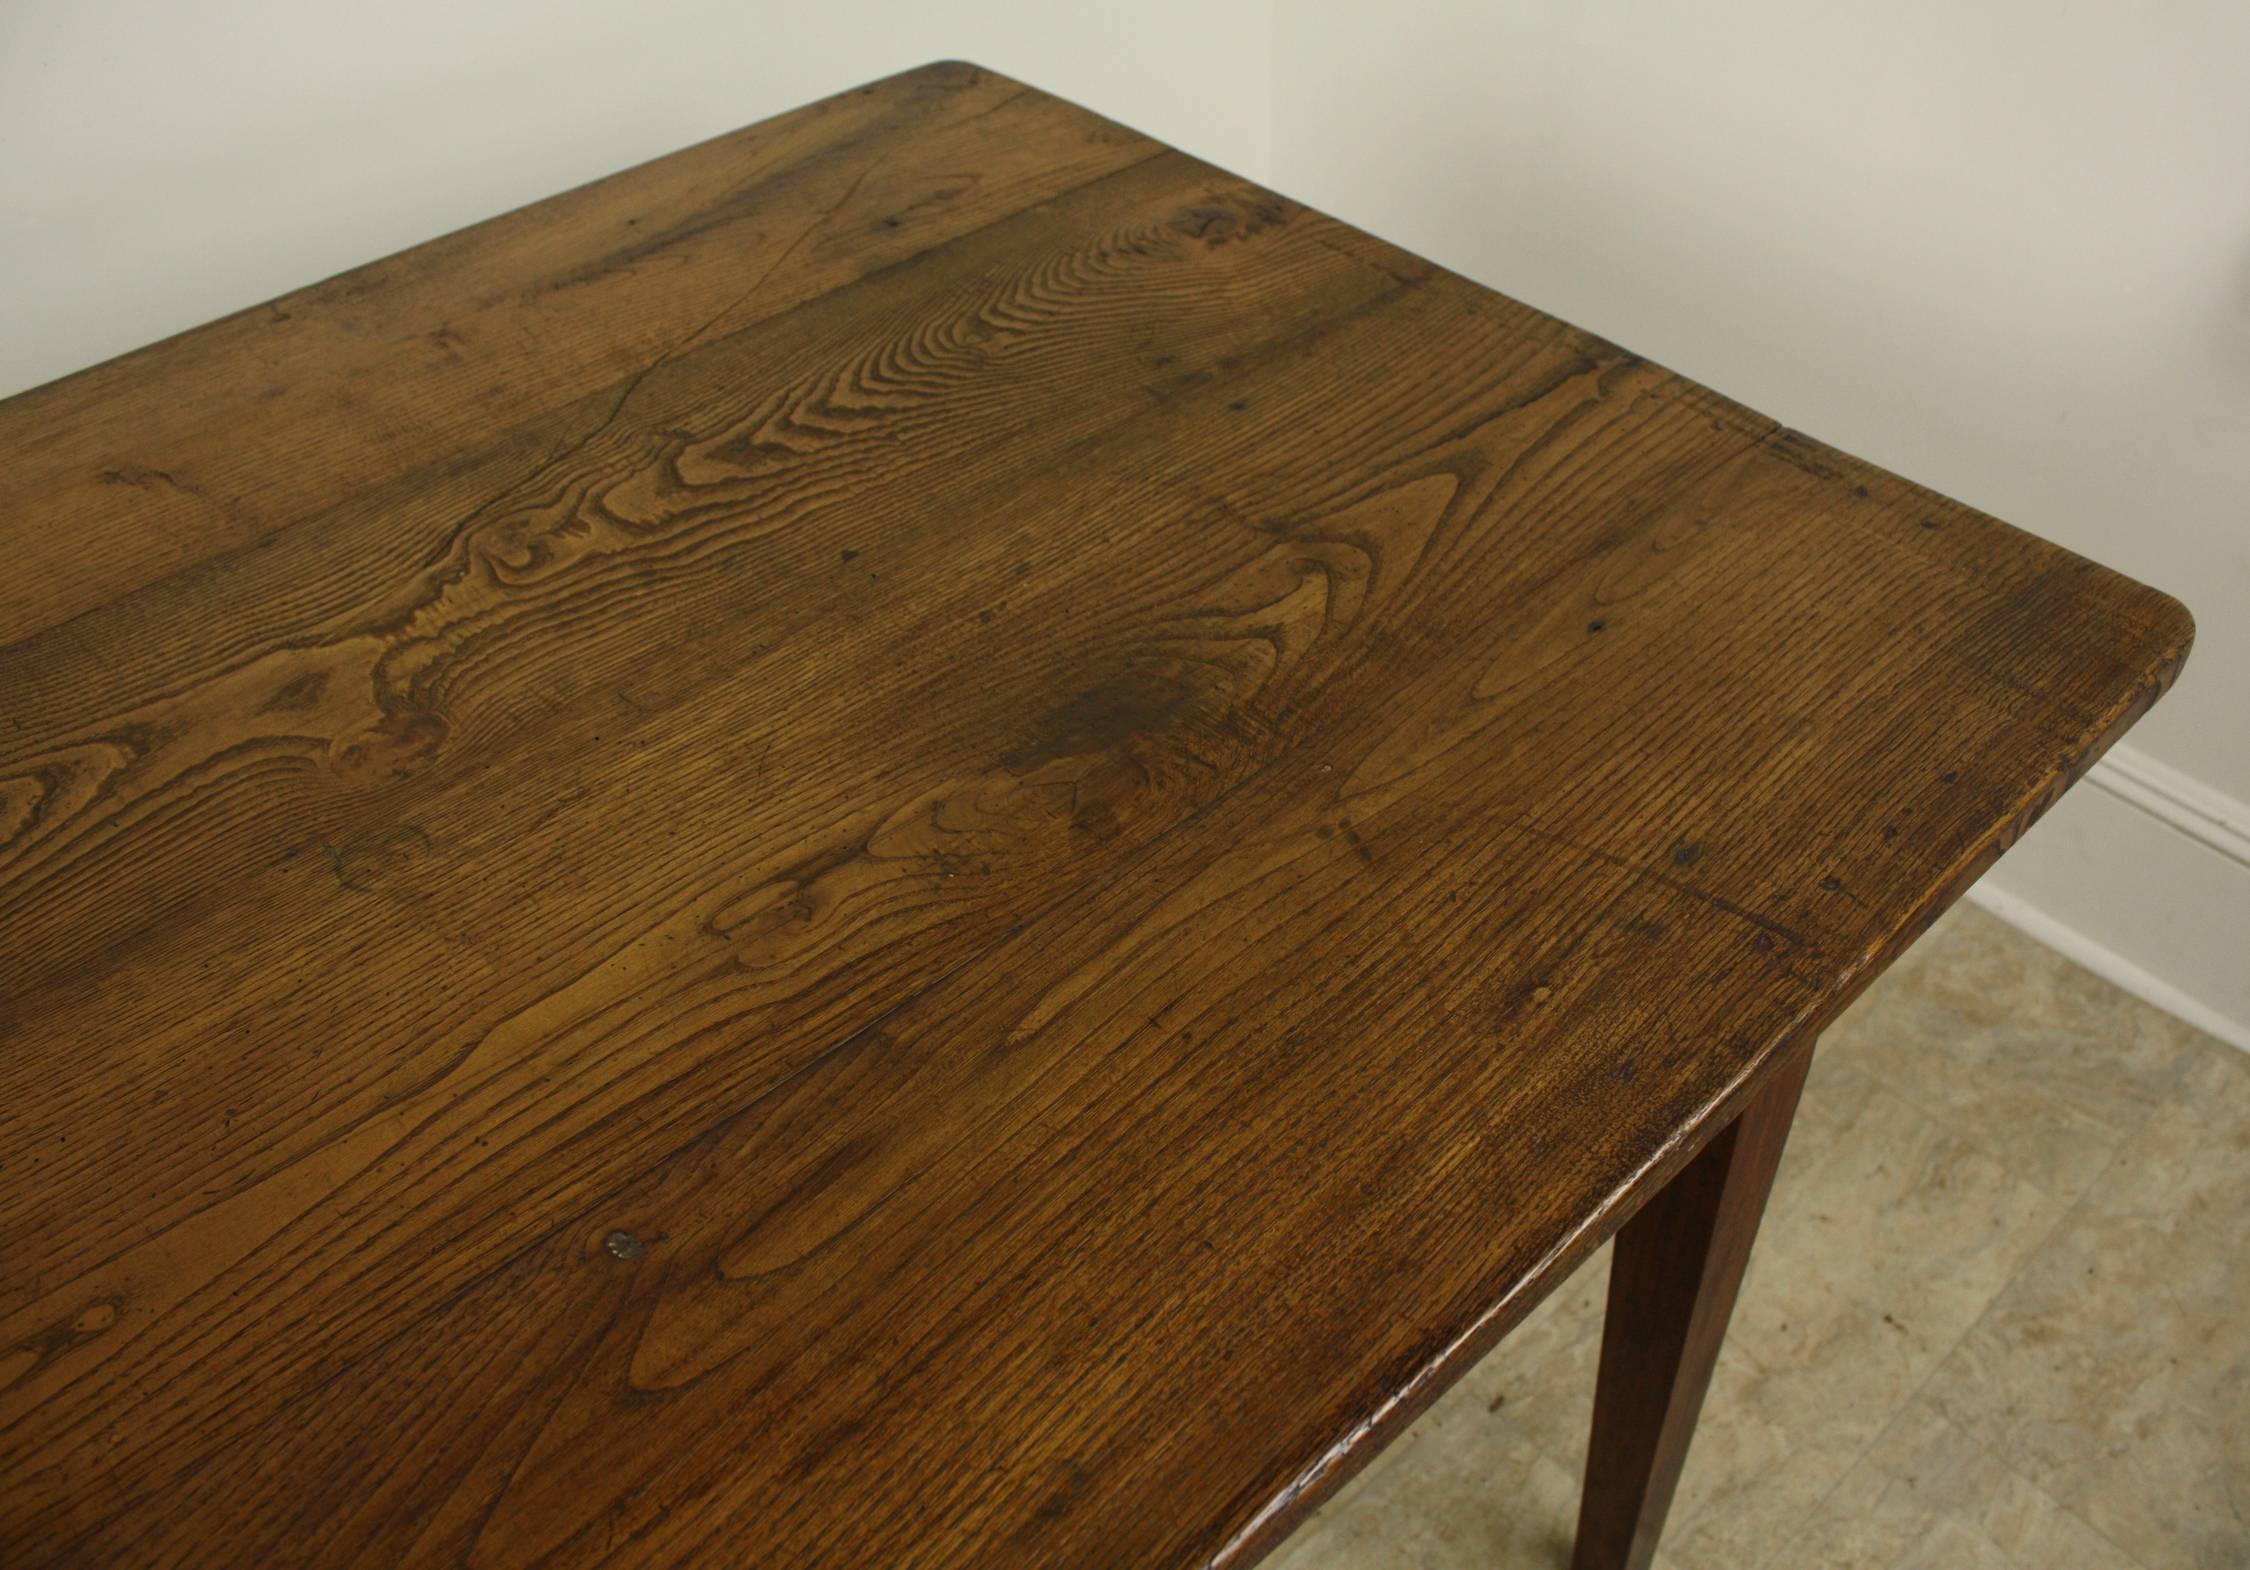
(2142, 875)
(2108, 964)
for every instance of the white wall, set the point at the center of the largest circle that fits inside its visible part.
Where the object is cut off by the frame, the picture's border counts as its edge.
(2002, 247)
(162, 164)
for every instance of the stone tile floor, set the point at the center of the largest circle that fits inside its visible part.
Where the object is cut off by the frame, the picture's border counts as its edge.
(1999, 1314)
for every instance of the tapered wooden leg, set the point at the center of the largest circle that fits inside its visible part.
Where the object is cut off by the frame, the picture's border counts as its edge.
(1672, 1281)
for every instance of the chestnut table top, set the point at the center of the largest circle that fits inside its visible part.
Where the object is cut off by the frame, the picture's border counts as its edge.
(925, 837)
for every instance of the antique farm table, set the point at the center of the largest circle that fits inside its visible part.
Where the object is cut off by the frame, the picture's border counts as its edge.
(929, 838)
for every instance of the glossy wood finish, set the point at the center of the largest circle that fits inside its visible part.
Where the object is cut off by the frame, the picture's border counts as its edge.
(924, 838)
(1674, 1272)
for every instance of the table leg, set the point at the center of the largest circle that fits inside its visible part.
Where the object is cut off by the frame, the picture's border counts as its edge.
(1672, 1282)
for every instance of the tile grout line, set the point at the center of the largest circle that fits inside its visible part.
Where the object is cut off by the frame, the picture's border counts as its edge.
(1890, 1082)
(2173, 1094)
(1921, 1388)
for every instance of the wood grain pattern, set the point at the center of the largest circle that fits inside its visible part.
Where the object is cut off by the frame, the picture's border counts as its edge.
(925, 838)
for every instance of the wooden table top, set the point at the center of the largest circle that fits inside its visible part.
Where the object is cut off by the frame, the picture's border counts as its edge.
(924, 838)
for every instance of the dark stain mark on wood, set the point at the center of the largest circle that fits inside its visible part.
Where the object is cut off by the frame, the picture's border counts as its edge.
(1216, 224)
(1113, 713)
(1064, 1496)
(358, 864)
(297, 695)
(1359, 846)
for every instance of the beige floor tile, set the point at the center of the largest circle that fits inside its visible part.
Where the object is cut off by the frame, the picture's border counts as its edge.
(1902, 1214)
(1777, 1437)
(1928, 1497)
(2115, 1370)
(2048, 1065)
(2189, 1166)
